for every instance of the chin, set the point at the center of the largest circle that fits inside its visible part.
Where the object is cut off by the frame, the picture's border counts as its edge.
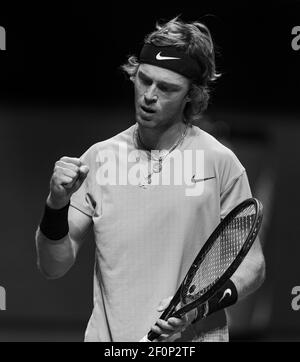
(145, 122)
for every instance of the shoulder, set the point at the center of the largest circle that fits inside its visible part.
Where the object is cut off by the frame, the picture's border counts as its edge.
(214, 150)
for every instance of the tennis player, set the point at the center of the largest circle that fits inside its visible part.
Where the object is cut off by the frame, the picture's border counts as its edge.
(152, 194)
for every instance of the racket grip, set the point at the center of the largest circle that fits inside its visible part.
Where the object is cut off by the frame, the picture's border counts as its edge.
(166, 314)
(152, 335)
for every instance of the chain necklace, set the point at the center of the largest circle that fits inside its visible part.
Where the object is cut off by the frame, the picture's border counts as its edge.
(157, 167)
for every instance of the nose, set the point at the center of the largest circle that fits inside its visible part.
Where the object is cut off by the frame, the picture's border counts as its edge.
(150, 96)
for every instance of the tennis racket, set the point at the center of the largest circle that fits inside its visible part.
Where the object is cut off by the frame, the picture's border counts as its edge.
(217, 260)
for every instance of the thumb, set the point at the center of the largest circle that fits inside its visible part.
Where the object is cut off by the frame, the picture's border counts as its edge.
(163, 304)
(84, 170)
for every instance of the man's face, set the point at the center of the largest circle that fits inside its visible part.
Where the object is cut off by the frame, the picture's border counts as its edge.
(160, 96)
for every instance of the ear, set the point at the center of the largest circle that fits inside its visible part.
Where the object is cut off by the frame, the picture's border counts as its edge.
(188, 98)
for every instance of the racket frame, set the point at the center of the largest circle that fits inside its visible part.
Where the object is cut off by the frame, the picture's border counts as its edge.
(170, 311)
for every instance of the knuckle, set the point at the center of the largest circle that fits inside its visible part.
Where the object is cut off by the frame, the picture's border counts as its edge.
(57, 170)
(73, 174)
(71, 166)
(156, 329)
(76, 169)
(74, 161)
(66, 179)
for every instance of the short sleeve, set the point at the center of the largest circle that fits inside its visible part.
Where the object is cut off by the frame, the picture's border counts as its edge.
(236, 192)
(83, 199)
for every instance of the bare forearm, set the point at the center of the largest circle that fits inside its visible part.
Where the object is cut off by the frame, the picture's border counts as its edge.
(251, 273)
(54, 259)
(62, 228)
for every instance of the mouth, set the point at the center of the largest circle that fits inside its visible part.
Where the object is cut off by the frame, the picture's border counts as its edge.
(147, 110)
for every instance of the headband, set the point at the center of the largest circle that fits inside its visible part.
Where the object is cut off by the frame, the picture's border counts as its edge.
(172, 58)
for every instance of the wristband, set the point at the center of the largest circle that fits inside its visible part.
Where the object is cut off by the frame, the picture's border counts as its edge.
(223, 298)
(54, 224)
(201, 312)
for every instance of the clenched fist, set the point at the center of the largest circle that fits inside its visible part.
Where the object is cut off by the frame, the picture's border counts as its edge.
(68, 175)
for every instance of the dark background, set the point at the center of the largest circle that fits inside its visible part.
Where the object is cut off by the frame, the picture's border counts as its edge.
(61, 90)
(74, 52)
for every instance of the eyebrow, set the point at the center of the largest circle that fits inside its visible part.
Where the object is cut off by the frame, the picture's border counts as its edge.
(161, 82)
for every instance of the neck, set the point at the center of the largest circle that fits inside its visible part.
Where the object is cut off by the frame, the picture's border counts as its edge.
(160, 139)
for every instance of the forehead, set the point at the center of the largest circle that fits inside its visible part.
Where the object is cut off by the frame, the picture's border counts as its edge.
(159, 74)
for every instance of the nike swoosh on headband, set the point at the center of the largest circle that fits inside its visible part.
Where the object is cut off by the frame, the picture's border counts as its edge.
(227, 292)
(194, 180)
(160, 57)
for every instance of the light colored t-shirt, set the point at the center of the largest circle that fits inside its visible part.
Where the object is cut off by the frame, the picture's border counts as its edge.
(147, 235)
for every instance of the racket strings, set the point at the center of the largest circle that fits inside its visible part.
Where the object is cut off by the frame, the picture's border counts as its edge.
(218, 258)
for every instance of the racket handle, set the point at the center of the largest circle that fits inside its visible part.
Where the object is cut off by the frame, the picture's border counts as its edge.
(166, 314)
(152, 335)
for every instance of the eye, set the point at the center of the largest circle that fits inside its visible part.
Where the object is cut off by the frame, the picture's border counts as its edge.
(164, 88)
(145, 80)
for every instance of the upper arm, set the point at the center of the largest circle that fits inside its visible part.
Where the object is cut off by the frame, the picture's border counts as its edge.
(234, 183)
(235, 190)
(79, 226)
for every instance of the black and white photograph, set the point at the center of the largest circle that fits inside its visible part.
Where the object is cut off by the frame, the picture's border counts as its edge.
(149, 174)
